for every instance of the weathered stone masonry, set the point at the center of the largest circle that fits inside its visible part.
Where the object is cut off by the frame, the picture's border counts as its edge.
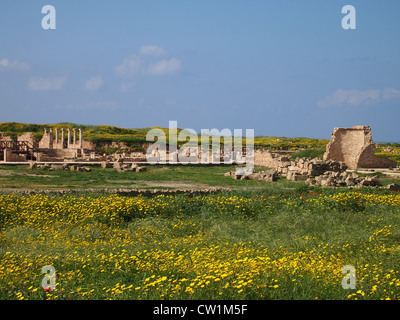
(355, 147)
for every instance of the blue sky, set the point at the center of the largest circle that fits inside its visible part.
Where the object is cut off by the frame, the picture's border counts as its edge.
(282, 68)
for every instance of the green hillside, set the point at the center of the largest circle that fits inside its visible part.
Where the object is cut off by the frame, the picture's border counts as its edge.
(103, 133)
(91, 133)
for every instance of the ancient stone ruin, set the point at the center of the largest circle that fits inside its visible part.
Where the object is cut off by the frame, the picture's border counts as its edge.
(355, 147)
(343, 179)
(59, 145)
(55, 145)
(322, 173)
(316, 172)
(304, 168)
(349, 148)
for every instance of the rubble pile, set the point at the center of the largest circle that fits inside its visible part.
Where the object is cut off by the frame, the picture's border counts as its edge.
(343, 179)
(315, 172)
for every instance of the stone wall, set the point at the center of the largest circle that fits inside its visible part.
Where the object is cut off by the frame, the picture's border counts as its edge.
(355, 147)
(29, 137)
(266, 158)
(88, 145)
(9, 156)
(4, 137)
(47, 140)
(52, 155)
(304, 168)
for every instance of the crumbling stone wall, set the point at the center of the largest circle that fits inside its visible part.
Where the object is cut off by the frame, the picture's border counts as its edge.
(343, 179)
(265, 158)
(355, 147)
(9, 156)
(88, 145)
(29, 137)
(4, 137)
(47, 140)
(315, 172)
(304, 168)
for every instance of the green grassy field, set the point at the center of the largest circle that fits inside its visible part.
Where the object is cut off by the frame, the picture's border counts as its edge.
(156, 177)
(264, 244)
(262, 240)
(20, 177)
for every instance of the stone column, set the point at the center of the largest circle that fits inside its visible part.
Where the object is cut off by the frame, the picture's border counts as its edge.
(62, 138)
(56, 135)
(69, 137)
(74, 136)
(51, 139)
(80, 138)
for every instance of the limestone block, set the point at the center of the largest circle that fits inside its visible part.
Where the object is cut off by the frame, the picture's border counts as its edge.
(33, 165)
(313, 173)
(299, 177)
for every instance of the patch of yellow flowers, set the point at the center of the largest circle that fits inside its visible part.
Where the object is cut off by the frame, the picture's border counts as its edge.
(94, 257)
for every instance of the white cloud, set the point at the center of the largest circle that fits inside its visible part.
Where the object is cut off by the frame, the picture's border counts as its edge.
(130, 66)
(93, 83)
(390, 94)
(16, 65)
(127, 86)
(46, 84)
(356, 97)
(164, 67)
(151, 50)
(146, 62)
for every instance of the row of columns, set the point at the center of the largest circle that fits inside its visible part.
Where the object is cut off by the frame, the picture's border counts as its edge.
(63, 137)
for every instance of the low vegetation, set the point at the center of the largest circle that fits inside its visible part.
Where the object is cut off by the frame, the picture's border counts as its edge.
(269, 244)
(261, 240)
